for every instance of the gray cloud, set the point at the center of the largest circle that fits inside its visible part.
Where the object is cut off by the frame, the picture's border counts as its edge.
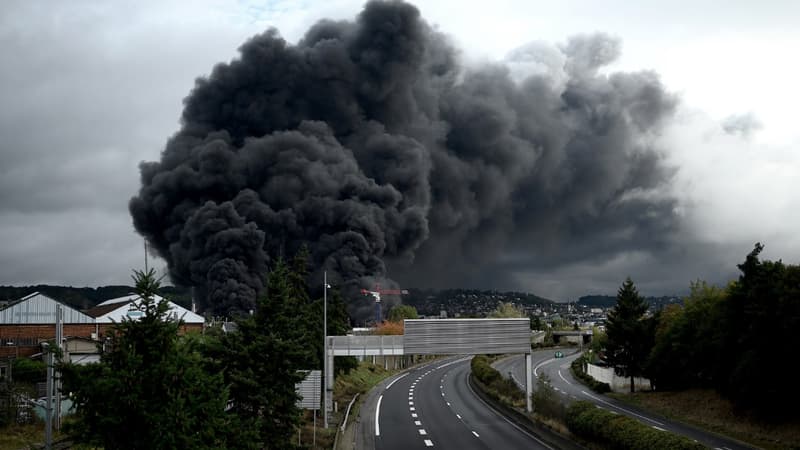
(742, 124)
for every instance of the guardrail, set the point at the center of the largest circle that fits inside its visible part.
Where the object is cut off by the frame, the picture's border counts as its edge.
(347, 413)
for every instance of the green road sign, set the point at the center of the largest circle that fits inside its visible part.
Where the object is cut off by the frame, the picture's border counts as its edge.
(559, 355)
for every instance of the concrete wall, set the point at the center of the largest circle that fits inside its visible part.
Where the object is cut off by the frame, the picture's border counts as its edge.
(617, 383)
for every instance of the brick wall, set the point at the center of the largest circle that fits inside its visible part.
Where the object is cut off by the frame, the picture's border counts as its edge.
(13, 332)
(25, 339)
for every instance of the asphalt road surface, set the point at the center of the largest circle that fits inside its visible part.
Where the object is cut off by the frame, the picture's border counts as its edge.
(434, 406)
(558, 371)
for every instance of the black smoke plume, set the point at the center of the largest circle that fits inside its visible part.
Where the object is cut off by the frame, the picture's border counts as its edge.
(371, 144)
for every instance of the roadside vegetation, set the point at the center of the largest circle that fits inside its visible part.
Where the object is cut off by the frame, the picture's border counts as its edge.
(501, 389)
(610, 430)
(712, 360)
(706, 408)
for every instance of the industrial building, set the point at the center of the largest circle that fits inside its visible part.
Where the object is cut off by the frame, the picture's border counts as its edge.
(27, 322)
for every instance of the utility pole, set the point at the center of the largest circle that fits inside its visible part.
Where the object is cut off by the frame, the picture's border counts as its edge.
(48, 413)
(325, 349)
(57, 378)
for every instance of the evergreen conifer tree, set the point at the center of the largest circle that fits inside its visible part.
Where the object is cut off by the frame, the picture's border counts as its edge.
(150, 389)
(627, 341)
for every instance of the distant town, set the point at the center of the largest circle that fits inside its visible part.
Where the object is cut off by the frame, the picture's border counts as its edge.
(588, 310)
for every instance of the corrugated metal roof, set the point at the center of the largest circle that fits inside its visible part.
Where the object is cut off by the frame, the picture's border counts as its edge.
(128, 298)
(37, 308)
(116, 310)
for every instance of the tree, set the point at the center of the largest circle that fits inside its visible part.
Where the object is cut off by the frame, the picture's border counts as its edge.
(686, 351)
(536, 323)
(759, 322)
(506, 310)
(150, 388)
(400, 312)
(261, 361)
(628, 343)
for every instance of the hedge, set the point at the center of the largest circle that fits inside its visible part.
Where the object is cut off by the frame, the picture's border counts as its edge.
(621, 432)
(500, 388)
(578, 372)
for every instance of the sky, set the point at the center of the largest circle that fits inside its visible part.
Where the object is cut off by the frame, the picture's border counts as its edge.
(90, 89)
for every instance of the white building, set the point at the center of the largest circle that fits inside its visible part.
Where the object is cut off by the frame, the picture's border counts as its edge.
(120, 308)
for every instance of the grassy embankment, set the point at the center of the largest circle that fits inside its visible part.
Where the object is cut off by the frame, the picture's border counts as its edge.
(360, 380)
(705, 408)
(15, 436)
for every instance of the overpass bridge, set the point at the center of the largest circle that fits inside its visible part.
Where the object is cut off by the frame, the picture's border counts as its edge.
(439, 337)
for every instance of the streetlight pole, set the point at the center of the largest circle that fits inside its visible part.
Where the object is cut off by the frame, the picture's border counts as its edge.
(325, 349)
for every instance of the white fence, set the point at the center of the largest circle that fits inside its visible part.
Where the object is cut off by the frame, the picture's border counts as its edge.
(617, 383)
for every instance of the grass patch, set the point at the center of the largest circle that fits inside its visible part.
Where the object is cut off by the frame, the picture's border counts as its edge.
(17, 436)
(359, 380)
(308, 435)
(705, 408)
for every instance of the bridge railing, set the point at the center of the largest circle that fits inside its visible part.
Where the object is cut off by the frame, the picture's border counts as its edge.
(365, 345)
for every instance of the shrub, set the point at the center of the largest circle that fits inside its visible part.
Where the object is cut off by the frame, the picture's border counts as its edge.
(546, 401)
(27, 370)
(621, 432)
(501, 388)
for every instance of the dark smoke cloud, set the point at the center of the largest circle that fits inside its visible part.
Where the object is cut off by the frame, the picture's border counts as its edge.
(370, 144)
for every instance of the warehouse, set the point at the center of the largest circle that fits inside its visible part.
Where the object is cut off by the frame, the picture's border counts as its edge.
(27, 322)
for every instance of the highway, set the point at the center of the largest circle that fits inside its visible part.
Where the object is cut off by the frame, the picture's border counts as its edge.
(433, 406)
(558, 371)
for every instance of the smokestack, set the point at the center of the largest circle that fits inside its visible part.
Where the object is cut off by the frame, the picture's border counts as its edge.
(367, 142)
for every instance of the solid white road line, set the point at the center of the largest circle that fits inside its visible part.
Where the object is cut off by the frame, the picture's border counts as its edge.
(377, 414)
(659, 428)
(454, 362)
(562, 377)
(517, 381)
(395, 381)
(622, 409)
(536, 369)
